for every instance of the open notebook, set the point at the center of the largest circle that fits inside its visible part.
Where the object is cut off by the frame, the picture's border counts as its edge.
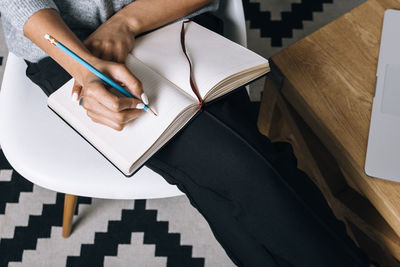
(219, 66)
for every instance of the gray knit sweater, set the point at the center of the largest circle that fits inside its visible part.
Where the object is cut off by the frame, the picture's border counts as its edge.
(82, 16)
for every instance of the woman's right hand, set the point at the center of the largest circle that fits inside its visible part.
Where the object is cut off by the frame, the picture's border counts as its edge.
(102, 106)
(112, 41)
(107, 108)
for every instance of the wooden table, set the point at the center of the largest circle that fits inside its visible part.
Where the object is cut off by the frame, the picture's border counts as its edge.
(321, 103)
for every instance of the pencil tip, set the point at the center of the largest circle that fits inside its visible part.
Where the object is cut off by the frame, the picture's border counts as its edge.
(151, 111)
(47, 36)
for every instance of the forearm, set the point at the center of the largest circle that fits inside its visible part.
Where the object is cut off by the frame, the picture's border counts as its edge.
(145, 15)
(49, 21)
(101, 105)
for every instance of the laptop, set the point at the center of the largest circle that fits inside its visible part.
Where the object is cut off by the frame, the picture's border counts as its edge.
(383, 151)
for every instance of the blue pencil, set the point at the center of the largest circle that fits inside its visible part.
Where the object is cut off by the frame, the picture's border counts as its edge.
(95, 71)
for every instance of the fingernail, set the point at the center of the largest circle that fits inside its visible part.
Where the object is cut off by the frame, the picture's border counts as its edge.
(145, 99)
(75, 96)
(140, 106)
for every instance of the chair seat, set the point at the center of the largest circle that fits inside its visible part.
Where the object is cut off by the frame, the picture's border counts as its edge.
(46, 151)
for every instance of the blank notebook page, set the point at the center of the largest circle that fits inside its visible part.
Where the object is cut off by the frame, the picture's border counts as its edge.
(161, 50)
(126, 146)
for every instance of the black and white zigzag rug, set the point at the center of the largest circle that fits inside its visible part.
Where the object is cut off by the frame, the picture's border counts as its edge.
(163, 232)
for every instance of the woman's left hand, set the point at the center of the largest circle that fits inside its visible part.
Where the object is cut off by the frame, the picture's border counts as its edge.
(112, 41)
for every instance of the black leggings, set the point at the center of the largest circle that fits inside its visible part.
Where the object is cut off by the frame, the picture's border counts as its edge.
(261, 208)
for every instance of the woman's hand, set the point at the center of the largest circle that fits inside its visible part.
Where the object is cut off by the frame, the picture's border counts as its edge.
(111, 108)
(112, 41)
(102, 106)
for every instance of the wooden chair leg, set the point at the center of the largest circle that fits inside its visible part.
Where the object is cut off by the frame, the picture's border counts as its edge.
(69, 210)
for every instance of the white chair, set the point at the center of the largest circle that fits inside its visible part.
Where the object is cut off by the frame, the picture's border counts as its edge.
(47, 152)
(231, 12)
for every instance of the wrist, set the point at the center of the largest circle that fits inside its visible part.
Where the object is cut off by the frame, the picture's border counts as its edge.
(84, 75)
(131, 23)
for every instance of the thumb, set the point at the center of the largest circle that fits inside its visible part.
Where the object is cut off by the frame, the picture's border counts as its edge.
(123, 75)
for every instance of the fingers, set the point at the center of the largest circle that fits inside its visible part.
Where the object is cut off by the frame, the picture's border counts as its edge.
(123, 75)
(117, 51)
(114, 103)
(97, 118)
(108, 109)
(99, 49)
(120, 53)
(119, 57)
(107, 50)
(96, 53)
(76, 91)
(100, 114)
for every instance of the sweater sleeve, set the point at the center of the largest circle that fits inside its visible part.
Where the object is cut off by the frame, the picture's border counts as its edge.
(17, 12)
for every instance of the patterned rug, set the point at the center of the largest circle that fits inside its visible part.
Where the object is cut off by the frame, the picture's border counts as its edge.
(162, 232)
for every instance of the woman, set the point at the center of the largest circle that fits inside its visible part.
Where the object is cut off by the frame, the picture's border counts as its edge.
(260, 207)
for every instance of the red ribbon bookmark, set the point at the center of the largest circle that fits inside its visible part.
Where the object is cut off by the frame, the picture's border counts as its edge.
(192, 82)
